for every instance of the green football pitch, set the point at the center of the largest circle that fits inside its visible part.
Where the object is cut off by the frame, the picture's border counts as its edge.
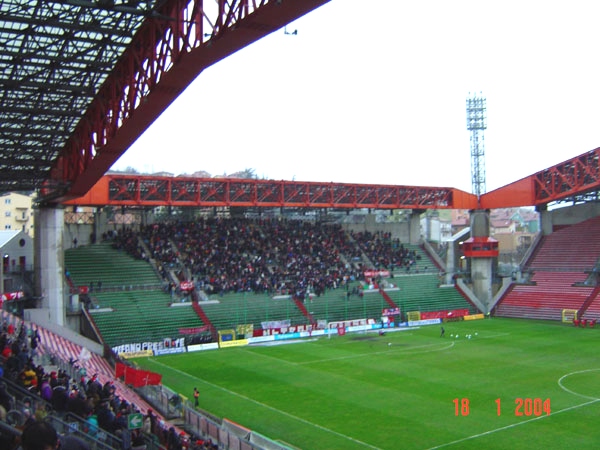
(515, 384)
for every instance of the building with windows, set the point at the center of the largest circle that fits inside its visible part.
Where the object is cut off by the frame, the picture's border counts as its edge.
(16, 249)
(16, 212)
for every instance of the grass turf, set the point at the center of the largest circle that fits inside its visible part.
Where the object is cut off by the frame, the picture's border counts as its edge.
(358, 391)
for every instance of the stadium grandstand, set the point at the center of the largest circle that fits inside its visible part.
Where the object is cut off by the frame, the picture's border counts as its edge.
(244, 260)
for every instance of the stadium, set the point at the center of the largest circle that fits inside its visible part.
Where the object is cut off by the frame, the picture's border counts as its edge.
(199, 312)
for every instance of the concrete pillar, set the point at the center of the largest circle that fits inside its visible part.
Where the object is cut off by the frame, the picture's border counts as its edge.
(414, 227)
(480, 223)
(481, 277)
(481, 268)
(546, 224)
(49, 261)
(99, 225)
(454, 254)
(370, 222)
(451, 257)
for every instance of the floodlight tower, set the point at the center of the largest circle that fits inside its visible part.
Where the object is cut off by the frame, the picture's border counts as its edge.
(476, 124)
(480, 248)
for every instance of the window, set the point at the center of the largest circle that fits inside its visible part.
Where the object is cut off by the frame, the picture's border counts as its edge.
(7, 213)
(7, 227)
(7, 201)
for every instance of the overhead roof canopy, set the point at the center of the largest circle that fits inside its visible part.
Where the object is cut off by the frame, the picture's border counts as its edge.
(59, 57)
(54, 56)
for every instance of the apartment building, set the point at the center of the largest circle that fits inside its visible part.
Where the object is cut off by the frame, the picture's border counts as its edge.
(16, 212)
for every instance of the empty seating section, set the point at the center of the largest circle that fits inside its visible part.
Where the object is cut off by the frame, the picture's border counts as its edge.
(575, 248)
(248, 308)
(546, 300)
(90, 265)
(130, 306)
(422, 292)
(140, 316)
(560, 268)
(336, 305)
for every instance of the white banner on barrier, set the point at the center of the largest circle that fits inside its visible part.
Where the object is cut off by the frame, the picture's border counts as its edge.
(415, 323)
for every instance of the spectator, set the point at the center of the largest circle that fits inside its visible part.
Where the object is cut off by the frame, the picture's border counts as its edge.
(60, 397)
(39, 436)
(105, 416)
(173, 441)
(5, 399)
(34, 341)
(196, 397)
(91, 423)
(8, 441)
(46, 389)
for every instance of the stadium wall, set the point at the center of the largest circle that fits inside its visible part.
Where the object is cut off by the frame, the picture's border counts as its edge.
(397, 230)
(574, 214)
(39, 316)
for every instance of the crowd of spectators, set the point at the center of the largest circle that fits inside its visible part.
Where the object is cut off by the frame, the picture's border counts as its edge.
(68, 395)
(384, 252)
(275, 256)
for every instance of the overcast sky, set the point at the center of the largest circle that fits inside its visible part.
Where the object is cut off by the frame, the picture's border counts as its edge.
(374, 92)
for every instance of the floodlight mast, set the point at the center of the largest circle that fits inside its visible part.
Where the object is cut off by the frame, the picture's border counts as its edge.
(477, 124)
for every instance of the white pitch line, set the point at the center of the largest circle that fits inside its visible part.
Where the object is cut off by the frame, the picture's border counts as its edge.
(507, 427)
(493, 335)
(263, 355)
(264, 405)
(359, 355)
(560, 380)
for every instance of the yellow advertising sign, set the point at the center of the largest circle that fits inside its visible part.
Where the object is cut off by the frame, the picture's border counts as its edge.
(474, 317)
(233, 343)
(138, 354)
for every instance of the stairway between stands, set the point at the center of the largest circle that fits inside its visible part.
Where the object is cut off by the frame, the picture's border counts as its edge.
(300, 304)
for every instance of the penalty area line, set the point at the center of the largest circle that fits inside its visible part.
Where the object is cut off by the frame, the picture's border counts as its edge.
(264, 405)
(508, 427)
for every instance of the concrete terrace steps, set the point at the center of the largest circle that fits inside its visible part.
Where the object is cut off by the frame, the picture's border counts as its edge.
(423, 293)
(141, 316)
(591, 308)
(527, 312)
(114, 268)
(559, 267)
(250, 308)
(576, 246)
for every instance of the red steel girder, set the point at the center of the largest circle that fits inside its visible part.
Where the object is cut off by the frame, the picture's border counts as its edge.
(576, 176)
(123, 189)
(143, 190)
(214, 192)
(184, 191)
(167, 53)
